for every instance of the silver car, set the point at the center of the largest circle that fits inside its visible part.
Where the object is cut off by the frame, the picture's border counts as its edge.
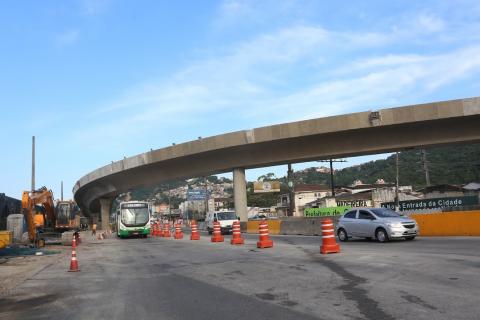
(379, 223)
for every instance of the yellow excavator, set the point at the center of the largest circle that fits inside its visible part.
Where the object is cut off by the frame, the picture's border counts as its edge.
(36, 218)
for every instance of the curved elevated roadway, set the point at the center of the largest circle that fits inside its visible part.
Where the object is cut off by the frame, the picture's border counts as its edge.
(385, 130)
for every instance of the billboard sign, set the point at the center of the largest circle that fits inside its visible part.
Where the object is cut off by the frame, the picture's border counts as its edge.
(326, 211)
(435, 203)
(354, 203)
(266, 186)
(196, 195)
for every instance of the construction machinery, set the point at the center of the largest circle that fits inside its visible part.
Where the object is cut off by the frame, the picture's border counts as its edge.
(39, 210)
(66, 213)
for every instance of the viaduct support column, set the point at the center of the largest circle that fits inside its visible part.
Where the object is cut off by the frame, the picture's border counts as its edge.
(240, 193)
(105, 208)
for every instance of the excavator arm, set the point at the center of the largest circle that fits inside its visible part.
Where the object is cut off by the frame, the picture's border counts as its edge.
(42, 196)
(27, 208)
(45, 198)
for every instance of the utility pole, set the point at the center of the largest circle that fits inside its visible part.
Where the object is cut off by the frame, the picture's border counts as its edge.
(425, 167)
(33, 163)
(206, 196)
(61, 188)
(291, 186)
(332, 182)
(169, 205)
(397, 202)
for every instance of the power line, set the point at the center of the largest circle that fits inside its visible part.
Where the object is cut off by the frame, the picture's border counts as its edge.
(332, 183)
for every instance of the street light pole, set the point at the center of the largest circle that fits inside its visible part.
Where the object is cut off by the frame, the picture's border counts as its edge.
(206, 197)
(169, 205)
(397, 202)
(331, 178)
(291, 186)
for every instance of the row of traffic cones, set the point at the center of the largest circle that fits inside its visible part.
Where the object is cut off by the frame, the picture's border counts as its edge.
(329, 244)
(264, 240)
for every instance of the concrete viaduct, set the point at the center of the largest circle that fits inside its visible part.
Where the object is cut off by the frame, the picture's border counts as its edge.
(384, 130)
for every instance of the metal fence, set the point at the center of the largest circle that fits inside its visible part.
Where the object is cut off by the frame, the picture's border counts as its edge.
(8, 206)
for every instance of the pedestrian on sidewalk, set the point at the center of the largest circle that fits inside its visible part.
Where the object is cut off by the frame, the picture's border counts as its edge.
(94, 231)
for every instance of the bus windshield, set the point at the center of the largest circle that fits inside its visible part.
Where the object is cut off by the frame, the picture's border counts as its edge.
(135, 216)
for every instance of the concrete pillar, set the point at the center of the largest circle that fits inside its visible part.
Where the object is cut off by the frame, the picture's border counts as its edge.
(240, 193)
(105, 208)
(93, 219)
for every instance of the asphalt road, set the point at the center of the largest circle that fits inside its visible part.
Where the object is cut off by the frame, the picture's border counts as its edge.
(155, 278)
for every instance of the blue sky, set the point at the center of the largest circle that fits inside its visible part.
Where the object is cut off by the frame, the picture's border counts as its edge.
(95, 81)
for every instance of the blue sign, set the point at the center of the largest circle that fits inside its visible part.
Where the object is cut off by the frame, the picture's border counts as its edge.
(196, 195)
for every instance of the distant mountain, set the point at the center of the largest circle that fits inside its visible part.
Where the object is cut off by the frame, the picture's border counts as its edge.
(452, 165)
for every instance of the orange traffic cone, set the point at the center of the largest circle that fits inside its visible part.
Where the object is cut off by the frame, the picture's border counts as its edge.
(264, 240)
(329, 244)
(160, 230)
(195, 234)
(217, 232)
(236, 233)
(73, 261)
(178, 232)
(77, 237)
(166, 230)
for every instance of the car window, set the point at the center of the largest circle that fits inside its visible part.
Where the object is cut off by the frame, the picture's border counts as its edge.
(350, 214)
(385, 213)
(362, 214)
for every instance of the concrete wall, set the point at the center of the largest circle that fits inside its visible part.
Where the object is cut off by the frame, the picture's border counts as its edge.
(456, 223)
(274, 226)
(291, 225)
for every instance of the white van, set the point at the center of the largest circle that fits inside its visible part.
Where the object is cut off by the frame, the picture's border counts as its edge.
(226, 219)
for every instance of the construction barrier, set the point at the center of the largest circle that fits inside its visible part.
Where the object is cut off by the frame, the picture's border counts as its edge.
(274, 226)
(195, 235)
(217, 232)
(6, 238)
(264, 240)
(455, 223)
(329, 244)
(73, 260)
(236, 233)
(166, 230)
(178, 232)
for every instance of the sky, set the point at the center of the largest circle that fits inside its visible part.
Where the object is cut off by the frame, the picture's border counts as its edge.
(95, 81)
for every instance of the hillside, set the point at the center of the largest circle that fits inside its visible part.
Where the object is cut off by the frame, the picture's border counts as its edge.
(453, 164)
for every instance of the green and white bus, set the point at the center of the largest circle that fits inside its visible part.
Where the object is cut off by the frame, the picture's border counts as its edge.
(133, 219)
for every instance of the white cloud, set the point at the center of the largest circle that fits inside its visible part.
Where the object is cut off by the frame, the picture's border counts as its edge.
(67, 38)
(259, 81)
(429, 23)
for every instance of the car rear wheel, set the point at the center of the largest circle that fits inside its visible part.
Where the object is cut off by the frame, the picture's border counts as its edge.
(381, 235)
(342, 235)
